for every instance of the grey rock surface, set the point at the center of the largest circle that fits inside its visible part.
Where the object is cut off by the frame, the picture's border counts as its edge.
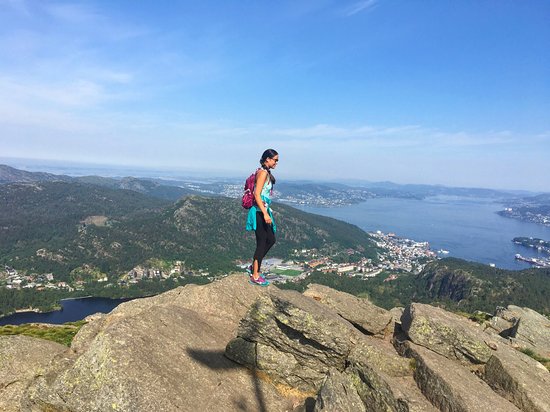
(298, 342)
(381, 356)
(396, 314)
(448, 334)
(338, 394)
(296, 339)
(520, 379)
(384, 380)
(409, 396)
(374, 388)
(529, 328)
(368, 317)
(22, 358)
(452, 387)
(185, 350)
(162, 353)
(500, 326)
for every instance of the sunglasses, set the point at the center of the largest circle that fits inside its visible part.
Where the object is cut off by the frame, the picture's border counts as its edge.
(276, 160)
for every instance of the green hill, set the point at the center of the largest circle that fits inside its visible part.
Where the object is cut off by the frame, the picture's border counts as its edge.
(58, 227)
(51, 211)
(10, 174)
(151, 187)
(452, 283)
(470, 286)
(144, 186)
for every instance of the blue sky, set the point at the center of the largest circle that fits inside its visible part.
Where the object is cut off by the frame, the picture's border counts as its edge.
(444, 92)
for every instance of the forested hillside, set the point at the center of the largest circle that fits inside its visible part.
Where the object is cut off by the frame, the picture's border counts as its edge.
(452, 283)
(58, 227)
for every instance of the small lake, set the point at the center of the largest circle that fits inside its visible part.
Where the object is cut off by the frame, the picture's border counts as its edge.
(72, 310)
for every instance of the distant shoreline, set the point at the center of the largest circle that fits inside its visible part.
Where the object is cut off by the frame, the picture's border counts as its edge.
(81, 297)
(26, 310)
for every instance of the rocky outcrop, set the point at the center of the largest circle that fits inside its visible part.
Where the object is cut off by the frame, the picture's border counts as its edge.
(367, 317)
(512, 374)
(186, 350)
(445, 361)
(298, 341)
(294, 339)
(338, 393)
(451, 387)
(448, 334)
(520, 379)
(22, 358)
(161, 353)
(526, 328)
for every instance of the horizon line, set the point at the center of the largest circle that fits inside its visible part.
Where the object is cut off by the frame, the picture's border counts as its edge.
(212, 175)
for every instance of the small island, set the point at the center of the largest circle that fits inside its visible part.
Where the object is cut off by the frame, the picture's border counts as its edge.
(540, 245)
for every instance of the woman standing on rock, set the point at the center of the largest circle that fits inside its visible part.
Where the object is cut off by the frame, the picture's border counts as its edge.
(260, 217)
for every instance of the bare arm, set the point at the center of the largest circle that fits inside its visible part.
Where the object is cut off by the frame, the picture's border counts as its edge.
(261, 178)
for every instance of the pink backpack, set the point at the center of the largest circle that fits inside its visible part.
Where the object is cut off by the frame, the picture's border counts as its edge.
(248, 195)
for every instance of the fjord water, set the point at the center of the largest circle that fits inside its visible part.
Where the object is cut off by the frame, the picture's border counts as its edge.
(469, 228)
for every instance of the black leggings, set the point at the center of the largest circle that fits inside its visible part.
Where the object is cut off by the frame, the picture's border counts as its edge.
(265, 238)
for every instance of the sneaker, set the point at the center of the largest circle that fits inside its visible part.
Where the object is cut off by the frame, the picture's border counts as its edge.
(249, 270)
(260, 281)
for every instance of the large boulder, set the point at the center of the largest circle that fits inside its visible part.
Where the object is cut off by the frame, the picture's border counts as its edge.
(22, 358)
(161, 353)
(452, 387)
(520, 379)
(294, 339)
(387, 388)
(381, 356)
(299, 342)
(448, 334)
(338, 393)
(366, 316)
(529, 329)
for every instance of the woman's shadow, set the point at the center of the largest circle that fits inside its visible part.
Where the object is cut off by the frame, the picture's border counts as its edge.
(216, 360)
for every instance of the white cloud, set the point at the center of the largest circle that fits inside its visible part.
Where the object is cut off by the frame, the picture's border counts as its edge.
(72, 13)
(359, 7)
(75, 93)
(109, 75)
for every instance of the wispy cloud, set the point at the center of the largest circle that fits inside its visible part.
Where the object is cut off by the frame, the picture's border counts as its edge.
(80, 62)
(71, 93)
(395, 136)
(84, 18)
(359, 7)
(73, 13)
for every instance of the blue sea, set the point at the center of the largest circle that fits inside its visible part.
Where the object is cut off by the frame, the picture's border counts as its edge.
(469, 228)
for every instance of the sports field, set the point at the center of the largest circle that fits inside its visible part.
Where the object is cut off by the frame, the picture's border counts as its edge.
(287, 272)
